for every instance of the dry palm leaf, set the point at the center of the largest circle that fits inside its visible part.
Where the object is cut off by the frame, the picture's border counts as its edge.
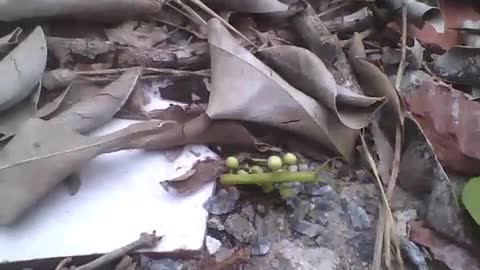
(306, 72)
(22, 69)
(42, 154)
(83, 107)
(104, 10)
(266, 98)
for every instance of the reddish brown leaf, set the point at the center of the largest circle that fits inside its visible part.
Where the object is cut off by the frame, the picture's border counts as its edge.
(450, 121)
(455, 257)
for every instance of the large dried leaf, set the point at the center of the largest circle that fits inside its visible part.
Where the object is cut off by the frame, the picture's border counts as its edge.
(137, 34)
(22, 69)
(85, 107)
(12, 119)
(449, 119)
(306, 72)
(42, 154)
(459, 65)
(105, 10)
(244, 88)
(455, 257)
(250, 6)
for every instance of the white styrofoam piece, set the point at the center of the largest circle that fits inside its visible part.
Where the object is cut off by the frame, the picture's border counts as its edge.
(119, 198)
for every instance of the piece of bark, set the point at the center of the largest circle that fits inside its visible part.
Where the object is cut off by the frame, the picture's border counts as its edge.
(69, 52)
(326, 46)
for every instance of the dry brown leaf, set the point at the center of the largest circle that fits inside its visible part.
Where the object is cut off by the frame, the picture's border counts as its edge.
(327, 47)
(449, 119)
(201, 173)
(86, 107)
(42, 154)
(306, 72)
(266, 98)
(455, 257)
(375, 83)
(9, 41)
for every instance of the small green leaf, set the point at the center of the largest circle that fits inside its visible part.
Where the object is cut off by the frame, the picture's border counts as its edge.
(471, 198)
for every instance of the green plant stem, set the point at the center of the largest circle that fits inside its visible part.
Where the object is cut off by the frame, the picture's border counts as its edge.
(268, 178)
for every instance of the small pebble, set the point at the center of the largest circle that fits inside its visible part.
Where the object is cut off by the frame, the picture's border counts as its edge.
(212, 244)
(303, 167)
(261, 209)
(261, 248)
(309, 229)
(215, 223)
(222, 203)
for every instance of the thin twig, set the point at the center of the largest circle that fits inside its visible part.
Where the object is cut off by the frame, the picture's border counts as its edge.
(203, 73)
(401, 66)
(229, 26)
(331, 10)
(146, 240)
(197, 18)
(377, 252)
(180, 11)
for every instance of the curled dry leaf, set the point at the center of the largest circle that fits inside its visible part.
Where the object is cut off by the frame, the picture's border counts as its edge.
(306, 72)
(105, 10)
(419, 13)
(83, 111)
(42, 154)
(459, 65)
(72, 51)
(375, 83)
(201, 173)
(449, 119)
(327, 47)
(266, 98)
(137, 34)
(22, 69)
(455, 257)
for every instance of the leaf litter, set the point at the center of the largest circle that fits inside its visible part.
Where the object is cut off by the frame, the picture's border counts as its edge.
(327, 86)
